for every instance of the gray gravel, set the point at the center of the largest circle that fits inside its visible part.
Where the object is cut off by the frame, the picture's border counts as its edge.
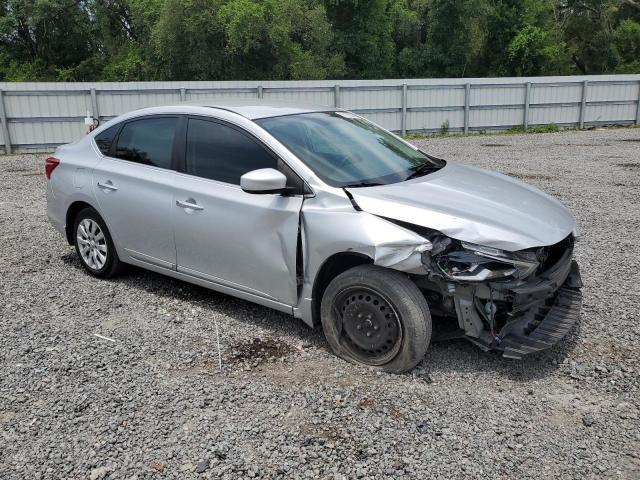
(152, 403)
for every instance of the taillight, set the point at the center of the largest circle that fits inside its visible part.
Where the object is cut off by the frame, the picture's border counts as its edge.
(50, 165)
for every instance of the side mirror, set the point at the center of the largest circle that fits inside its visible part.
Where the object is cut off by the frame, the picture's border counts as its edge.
(264, 180)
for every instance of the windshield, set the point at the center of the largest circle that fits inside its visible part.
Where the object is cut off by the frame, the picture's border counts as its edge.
(345, 150)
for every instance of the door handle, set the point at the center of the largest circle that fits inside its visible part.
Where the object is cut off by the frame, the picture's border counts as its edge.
(107, 186)
(189, 204)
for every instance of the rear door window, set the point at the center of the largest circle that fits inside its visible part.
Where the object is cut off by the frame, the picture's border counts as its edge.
(148, 141)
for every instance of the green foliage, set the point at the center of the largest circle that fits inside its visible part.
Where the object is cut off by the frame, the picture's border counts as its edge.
(534, 51)
(122, 40)
(456, 36)
(627, 42)
(279, 39)
(548, 128)
(363, 32)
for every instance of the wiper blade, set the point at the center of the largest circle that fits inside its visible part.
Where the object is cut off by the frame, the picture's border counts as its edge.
(362, 184)
(423, 169)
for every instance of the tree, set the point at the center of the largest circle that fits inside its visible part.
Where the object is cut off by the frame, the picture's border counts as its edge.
(627, 41)
(279, 39)
(456, 36)
(188, 41)
(124, 28)
(363, 32)
(596, 31)
(534, 51)
(409, 35)
(237, 39)
(43, 39)
(71, 40)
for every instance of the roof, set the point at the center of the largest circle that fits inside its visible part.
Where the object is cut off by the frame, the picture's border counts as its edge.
(259, 108)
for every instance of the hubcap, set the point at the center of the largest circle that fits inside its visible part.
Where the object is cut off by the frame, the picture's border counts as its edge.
(371, 329)
(92, 244)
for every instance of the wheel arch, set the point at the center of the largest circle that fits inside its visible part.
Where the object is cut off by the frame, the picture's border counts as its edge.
(73, 210)
(331, 268)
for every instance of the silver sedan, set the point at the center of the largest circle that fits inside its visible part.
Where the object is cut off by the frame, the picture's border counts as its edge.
(322, 214)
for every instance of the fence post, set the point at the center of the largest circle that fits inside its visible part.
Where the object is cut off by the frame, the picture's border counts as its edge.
(467, 99)
(403, 121)
(183, 94)
(336, 96)
(638, 107)
(94, 105)
(5, 127)
(527, 96)
(583, 104)
(259, 91)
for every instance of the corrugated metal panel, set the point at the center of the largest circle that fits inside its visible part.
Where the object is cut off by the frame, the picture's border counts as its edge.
(434, 120)
(502, 95)
(46, 132)
(390, 121)
(301, 96)
(110, 104)
(192, 96)
(436, 97)
(351, 99)
(617, 113)
(598, 92)
(556, 93)
(46, 106)
(561, 115)
(48, 113)
(495, 117)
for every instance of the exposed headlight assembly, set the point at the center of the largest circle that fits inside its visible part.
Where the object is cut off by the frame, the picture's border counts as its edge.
(477, 263)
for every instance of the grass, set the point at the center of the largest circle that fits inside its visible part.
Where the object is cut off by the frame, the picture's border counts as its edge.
(549, 128)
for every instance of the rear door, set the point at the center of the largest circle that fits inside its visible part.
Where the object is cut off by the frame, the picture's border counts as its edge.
(133, 184)
(223, 234)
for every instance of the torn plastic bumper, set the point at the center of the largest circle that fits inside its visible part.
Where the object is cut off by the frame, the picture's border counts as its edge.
(543, 326)
(514, 315)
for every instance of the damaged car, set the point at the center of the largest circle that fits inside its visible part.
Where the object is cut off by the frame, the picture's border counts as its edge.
(320, 213)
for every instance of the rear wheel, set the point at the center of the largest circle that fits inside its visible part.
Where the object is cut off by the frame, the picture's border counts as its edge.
(94, 245)
(376, 317)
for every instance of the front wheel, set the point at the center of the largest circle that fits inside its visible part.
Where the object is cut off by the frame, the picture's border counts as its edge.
(376, 317)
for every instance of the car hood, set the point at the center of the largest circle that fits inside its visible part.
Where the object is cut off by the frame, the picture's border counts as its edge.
(473, 205)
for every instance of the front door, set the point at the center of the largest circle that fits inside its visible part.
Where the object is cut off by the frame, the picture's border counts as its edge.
(223, 234)
(133, 187)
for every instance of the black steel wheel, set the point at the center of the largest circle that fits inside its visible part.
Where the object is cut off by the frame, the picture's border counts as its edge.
(377, 317)
(371, 330)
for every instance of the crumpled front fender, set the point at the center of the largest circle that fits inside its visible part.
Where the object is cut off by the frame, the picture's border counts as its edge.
(405, 256)
(331, 226)
(387, 244)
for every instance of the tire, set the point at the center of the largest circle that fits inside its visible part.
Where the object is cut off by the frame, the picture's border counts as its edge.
(376, 317)
(90, 231)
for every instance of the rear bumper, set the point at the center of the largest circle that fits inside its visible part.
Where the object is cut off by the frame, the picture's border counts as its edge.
(54, 213)
(553, 314)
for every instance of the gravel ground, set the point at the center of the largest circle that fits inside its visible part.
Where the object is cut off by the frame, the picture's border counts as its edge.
(152, 403)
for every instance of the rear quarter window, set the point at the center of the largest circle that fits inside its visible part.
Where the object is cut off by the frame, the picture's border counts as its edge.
(105, 139)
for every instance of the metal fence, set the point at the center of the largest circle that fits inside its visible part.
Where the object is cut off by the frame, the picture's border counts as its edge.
(40, 116)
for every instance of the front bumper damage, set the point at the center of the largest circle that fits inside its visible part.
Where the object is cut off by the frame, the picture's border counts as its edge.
(517, 317)
(527, 317)
(547, 322)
